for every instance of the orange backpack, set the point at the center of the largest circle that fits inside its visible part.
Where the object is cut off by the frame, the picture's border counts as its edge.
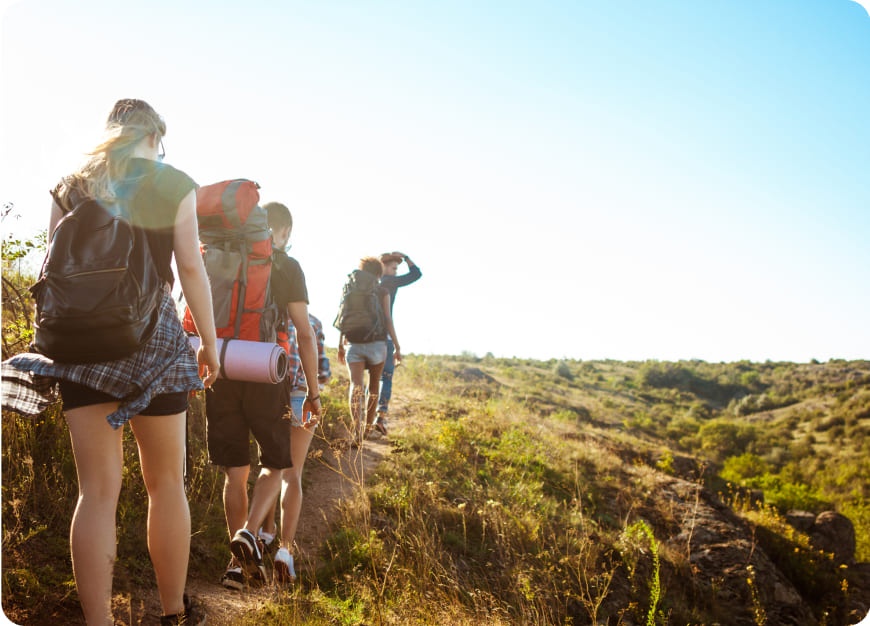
(236, 246)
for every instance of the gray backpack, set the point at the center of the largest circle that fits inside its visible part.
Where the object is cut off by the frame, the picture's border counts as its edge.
(360, 315)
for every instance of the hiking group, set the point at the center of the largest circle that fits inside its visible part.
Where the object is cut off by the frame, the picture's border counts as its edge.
(110, 344)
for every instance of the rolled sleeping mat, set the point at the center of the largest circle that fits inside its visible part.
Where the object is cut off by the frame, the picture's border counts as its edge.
(252, 361)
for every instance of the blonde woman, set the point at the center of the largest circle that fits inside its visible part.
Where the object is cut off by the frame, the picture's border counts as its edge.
(148, 389)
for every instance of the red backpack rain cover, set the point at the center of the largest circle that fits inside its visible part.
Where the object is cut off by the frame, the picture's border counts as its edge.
(236, 246)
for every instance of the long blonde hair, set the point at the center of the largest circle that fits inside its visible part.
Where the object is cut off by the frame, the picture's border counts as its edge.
(129, 122)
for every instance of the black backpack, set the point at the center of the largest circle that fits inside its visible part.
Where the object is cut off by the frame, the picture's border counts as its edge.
(360, 315)
(98, 293)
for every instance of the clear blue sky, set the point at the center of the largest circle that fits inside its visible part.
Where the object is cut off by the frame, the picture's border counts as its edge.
(581, 179)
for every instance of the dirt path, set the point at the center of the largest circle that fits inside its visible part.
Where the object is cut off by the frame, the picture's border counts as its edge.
(333, 472)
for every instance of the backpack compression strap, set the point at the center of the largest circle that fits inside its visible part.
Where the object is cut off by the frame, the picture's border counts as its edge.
(222, 357)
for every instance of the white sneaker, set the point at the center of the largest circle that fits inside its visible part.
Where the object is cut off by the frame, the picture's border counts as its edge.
(284, 572)
(266, 538)
(233, 578)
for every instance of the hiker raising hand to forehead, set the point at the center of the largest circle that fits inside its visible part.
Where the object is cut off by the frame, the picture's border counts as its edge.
(392, 281)
(130, 204)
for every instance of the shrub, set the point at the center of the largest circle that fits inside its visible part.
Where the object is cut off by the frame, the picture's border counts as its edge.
(721, 439)
(746, 466)
(563, 370)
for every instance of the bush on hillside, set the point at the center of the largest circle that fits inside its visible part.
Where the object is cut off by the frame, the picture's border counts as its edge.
(760, 402)
(563, 370)
(17, 277)
(739, 469)
(719, 439)
(659, 375)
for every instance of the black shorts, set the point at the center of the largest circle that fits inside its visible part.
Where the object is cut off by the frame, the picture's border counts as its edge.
(75, 395)
(234, 409)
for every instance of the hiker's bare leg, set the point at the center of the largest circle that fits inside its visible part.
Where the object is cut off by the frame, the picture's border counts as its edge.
(356, 395)
(99, 456)
(266, 491)
(375, 372)
(236, 497)
(291, 496)
(161, 455)
(269, 525)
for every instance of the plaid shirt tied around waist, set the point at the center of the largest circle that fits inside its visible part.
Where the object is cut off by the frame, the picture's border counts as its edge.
(166, 364)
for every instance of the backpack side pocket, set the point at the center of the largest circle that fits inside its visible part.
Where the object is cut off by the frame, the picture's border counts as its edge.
(222, 266)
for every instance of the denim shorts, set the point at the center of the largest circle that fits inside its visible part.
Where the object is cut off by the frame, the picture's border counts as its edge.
(297, 399)
(372, 353)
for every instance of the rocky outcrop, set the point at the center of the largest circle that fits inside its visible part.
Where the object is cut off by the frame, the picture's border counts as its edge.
(829, 531)
(801, 520)
(728, 563)
(834, 533)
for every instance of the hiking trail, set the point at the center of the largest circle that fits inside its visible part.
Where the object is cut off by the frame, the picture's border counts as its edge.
(331, 474)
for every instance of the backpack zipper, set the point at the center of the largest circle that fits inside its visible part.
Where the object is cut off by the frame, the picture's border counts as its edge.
(94, 272)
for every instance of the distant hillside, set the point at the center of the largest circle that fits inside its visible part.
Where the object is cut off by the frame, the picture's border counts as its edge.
(796, 432)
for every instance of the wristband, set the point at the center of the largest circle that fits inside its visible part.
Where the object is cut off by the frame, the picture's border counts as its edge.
(310, 399)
